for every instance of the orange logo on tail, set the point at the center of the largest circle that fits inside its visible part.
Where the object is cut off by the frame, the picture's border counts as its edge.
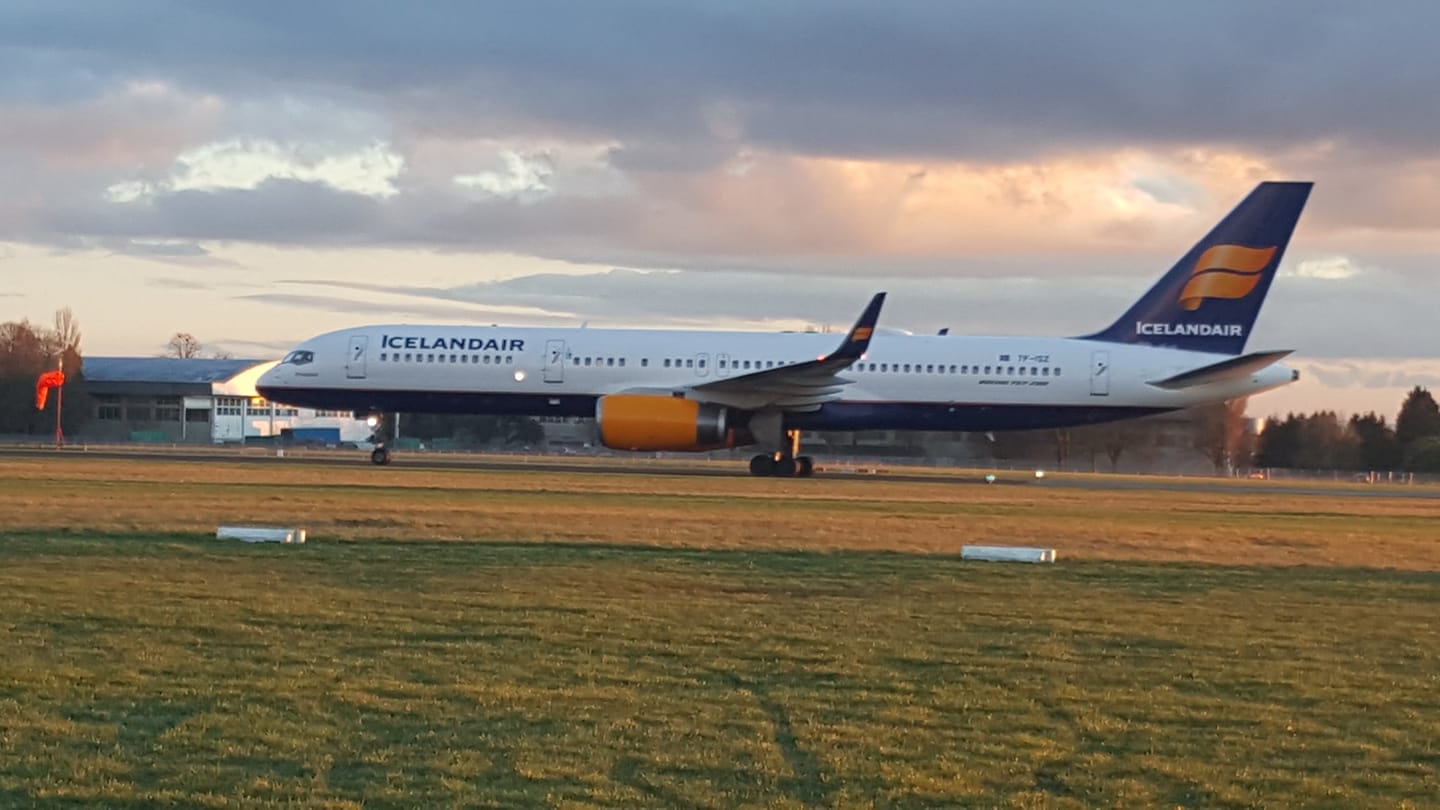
(863, 333)
(1224, 271)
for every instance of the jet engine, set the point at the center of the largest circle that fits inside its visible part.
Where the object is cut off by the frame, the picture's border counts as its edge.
(652, 422)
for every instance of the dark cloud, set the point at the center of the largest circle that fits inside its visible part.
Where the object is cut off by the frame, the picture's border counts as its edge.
(980, 80)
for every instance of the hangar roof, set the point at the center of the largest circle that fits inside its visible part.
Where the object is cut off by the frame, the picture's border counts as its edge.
(163, 369)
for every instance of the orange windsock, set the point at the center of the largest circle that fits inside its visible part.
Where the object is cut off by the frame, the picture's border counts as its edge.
(48, 380)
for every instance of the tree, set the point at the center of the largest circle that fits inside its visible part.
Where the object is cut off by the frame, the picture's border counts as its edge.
(1279, 442)
(1379, 449)
(26, 350)
(183, 345)
(1419, 417)
(1222, 433)
(1424, 455)
(1327, 443)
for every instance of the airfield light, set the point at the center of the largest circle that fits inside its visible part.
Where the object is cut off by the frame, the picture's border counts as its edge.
(990, 478)
(1039, 473)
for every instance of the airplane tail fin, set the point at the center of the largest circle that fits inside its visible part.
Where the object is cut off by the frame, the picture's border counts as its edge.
(1209, 299)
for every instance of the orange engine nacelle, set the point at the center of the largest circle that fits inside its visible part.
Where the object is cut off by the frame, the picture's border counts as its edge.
(649, 422)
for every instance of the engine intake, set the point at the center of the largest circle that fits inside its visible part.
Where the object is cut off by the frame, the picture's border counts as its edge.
(650, 422)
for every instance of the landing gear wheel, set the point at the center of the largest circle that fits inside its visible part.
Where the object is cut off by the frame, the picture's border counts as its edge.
(785, 467)
(805, 466)
(380, 456)
(762, 466)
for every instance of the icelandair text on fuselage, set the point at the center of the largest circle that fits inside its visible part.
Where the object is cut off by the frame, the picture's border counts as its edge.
(1199, 329)
(473, 344)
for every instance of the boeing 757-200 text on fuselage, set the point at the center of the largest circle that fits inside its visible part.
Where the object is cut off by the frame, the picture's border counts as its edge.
(1182, 344)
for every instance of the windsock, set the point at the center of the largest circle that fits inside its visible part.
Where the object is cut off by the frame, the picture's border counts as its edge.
(48, 380)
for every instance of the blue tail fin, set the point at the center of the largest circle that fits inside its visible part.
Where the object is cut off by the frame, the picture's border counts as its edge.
(1209, 299)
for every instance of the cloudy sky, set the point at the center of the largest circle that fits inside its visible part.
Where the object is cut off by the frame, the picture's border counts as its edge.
(254, 173)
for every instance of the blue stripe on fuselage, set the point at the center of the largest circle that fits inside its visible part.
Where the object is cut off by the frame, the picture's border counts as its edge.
(954, 416)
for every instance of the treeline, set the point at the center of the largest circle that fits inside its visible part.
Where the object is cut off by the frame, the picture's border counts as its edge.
(26, 351)
(1325, 441)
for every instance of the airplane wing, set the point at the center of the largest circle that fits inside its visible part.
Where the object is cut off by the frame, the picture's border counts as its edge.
(801, 386)
(1233, 368)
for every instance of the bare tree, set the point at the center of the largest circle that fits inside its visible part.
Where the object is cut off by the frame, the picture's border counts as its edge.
(183, 345)
(67, 331)
(1222, 434)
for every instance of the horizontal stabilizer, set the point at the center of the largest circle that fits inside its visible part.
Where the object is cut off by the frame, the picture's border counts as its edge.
(1231, 369)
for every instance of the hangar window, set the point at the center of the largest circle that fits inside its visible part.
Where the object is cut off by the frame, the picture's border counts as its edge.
(107, 407)
(167, 409)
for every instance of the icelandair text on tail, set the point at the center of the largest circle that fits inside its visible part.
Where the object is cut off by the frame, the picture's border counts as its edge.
(1197, 329)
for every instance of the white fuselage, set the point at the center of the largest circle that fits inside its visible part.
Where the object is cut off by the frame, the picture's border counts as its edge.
(903, 381)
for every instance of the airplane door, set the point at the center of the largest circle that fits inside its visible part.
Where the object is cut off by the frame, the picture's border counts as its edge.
(722, 369)
(1100, 374)
(355, 357)
(702, 363)
(554, 361)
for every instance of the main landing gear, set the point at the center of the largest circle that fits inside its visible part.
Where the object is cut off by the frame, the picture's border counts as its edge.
(380, 455)
(786, 463)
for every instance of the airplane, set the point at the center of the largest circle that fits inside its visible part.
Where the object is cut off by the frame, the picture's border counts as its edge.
(1180, 345)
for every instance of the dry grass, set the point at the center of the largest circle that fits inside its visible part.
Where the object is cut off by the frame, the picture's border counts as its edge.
(1247, 525)
(704, 642)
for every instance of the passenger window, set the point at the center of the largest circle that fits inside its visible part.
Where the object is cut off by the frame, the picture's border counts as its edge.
(382, 355)
(407, 357)
(610, 361)
(644, 362)
(689, 363)
(667, 362)
(622, 362)
(929, 369)
(429, 358)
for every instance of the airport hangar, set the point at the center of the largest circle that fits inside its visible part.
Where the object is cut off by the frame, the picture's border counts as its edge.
(198, 401)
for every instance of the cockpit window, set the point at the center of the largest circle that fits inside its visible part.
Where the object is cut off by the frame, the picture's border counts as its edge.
(299, 358)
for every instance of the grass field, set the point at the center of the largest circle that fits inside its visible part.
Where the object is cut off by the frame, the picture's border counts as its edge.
(544, 639)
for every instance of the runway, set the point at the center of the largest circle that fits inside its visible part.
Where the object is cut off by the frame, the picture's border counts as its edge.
(703, 467)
